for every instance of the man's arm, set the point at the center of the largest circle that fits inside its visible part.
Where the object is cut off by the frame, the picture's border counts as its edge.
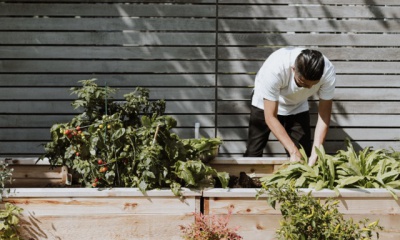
(321, 130)
(271, 118)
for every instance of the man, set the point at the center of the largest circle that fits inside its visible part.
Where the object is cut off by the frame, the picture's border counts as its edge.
(283, 85)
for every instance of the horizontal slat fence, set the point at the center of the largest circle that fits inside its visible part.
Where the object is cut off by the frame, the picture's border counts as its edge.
(201, 56)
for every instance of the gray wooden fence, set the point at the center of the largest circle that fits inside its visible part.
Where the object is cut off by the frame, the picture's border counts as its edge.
(201, 57)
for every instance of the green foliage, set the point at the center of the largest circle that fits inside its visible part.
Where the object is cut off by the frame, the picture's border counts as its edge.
(210, 227)
(305, 217)
(346, 169)
(5, 176)
(126, 144)
(9, 222)
(204, 148)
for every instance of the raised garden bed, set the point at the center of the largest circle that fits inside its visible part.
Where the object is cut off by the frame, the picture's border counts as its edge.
(258, 220)
(119, 213)
(126, 213)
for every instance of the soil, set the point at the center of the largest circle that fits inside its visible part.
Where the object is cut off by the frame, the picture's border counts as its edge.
(243, 181)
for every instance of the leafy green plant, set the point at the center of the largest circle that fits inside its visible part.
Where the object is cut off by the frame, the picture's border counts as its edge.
(9, 222)
(210, 227)
(128, 144)
(305, 217)
(347, 169)
(368, 169)
(9, 217)
(204, 148)
(5, 176)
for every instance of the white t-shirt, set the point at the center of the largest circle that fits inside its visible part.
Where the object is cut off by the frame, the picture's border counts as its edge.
(275, 82)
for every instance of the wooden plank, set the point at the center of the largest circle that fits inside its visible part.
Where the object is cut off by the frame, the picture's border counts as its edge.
(64, 107)
(256, 216)
(46, 121)
(107, 24)
(107, 38)
(103, 66)
(306, 11)
(32, 193)
(166, 93)
(309, 25)
(306, 39)
(104, 226)
(247, 80)
(274, 148)
(341, 67)
(36, 171)
(108, 10)
(337, 120)
(114, 1)
(112, 80)
(109, 52)
(333, 53)
(249, 169)
(344, 2)
(56, 213)
(359, 94)
(339, 107)
(72, 206)
(357, 134)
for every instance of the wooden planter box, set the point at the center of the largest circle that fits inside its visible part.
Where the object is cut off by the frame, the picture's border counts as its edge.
(257, 220)
(123, 213)
(120, 213)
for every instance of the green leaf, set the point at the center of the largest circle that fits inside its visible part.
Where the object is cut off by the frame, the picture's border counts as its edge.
(223, 178)
(348, 181)
(118, 134)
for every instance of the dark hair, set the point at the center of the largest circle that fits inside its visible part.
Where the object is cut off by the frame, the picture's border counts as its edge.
(310, 65)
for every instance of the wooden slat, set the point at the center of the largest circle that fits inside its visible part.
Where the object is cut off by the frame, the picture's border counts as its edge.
(247, 80)
(114, 1)
(341, 67)
(102, 66)
(303, 39)
(110, 52)
(344, 2)
(337, 120)
(33, 171)
(77, 206)
(106, 24)
(64, 107)
(40, 93)
(340, 107)
(237, 148)
(107, 38)
(357, 134)
(307, 11)
(333, 53)
(309, 25)
(108, 10)
(359, 94)
(112, 80)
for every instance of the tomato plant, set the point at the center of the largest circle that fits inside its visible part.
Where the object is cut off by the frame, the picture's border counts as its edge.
(128, 144)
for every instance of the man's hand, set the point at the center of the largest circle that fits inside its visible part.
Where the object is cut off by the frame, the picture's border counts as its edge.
(295, 156)
(312, 159)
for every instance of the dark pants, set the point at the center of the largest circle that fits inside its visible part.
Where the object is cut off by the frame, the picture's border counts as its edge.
(297, 126)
